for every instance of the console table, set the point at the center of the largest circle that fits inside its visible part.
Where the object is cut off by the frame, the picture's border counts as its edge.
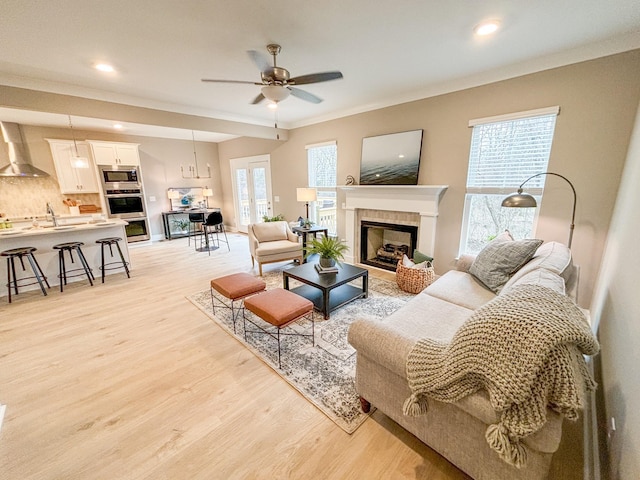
(173, 214)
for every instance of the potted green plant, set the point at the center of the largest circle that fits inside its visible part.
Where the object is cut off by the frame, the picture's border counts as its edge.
(181, 224)
(277, 218)
(330, 249)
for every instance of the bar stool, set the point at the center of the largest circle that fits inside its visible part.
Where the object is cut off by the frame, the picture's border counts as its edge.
(214, 224)
(19, 253)
(64, 274)
(110, 241)
(195, 228)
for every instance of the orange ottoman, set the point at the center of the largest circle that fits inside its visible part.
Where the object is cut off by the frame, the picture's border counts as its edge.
(235, 287)
(279, 308)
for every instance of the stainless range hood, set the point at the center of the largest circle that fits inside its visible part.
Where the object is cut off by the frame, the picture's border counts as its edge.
(19, 161)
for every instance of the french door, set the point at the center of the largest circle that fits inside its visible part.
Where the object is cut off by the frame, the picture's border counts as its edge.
(251, 181)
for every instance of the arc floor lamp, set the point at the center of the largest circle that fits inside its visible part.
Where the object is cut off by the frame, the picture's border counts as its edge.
(525, 200)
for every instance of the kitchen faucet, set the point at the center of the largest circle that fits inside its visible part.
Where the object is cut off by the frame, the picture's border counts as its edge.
(53, 215)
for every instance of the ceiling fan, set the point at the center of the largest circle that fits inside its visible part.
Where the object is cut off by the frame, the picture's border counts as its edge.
(277, 83)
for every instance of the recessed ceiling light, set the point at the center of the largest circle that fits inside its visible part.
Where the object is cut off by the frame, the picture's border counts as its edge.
(104, 67)
(487, 28)
(117, 126)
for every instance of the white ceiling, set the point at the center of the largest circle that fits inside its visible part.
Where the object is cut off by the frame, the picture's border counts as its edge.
(389, 52)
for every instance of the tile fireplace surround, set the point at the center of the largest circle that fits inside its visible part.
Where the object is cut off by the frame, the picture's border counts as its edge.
(403, 204)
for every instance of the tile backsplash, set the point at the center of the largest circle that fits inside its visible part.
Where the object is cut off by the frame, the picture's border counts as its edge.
(27, 197)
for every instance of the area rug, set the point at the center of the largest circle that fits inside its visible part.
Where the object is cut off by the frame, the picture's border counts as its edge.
(323, 373)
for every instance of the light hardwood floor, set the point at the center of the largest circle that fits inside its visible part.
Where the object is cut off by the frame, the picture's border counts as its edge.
(128, 380)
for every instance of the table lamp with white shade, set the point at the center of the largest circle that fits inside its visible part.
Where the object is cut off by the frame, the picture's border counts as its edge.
(206, 193)
(172, 195)
(306, 195)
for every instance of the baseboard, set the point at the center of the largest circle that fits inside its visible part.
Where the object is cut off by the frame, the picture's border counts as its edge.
(591, 440)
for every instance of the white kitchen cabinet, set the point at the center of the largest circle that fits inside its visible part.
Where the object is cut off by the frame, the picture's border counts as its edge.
(71, 179)
(115, 153)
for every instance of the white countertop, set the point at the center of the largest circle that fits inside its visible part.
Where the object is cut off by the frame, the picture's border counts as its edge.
(26, 229)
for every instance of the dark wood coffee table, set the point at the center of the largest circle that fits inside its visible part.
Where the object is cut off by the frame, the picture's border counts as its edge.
(328, 291)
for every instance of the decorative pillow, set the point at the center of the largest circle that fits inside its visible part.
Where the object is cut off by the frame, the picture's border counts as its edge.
(420, 257)
(503, 237)
(499, 259)
(540, 276)
(407, 262)
(423, 265)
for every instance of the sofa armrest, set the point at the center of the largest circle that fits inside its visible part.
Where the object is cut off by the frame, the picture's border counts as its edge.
(381, 343)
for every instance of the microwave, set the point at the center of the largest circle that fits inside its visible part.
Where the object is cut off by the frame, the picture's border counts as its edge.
(118, 176)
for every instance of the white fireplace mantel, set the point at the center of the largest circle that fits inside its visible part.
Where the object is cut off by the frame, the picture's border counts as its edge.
(421, 199)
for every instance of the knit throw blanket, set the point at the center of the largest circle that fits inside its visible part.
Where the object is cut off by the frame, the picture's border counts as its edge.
(525, 349)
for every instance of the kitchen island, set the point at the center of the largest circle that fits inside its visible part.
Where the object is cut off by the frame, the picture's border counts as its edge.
(44, 237)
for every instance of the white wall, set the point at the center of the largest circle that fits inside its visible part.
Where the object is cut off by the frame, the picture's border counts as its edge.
(616, 316)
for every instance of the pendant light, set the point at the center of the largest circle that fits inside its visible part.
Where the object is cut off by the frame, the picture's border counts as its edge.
(193, 169)
(76, 160)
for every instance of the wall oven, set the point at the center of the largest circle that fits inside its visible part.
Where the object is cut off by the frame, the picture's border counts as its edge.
(124, 199)
(125, 203)
(137, 229)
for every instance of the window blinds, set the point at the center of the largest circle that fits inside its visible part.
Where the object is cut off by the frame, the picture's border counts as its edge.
(505, 153)
(322, 159)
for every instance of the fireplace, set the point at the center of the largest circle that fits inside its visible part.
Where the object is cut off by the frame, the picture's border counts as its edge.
(384, 244)
(415, 205)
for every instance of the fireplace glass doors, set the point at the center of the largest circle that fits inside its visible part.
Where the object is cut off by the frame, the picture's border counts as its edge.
(382, 245)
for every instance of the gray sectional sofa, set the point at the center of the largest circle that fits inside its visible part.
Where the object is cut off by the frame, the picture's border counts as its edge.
(455, 430)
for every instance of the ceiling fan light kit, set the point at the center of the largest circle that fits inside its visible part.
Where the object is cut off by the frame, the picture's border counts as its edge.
(275, 93)
(276, 81)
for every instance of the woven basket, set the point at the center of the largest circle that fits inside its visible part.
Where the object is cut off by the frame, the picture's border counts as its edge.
(414, 280)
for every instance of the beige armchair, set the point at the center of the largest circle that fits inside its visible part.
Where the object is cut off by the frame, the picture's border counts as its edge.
(271, 242)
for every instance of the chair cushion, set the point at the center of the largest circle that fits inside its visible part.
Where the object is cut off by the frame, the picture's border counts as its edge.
(270, 231)
(277, 247)
(279, 306)
(237, 285)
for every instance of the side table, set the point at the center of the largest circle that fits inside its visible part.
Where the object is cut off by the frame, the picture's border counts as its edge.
(315, 229)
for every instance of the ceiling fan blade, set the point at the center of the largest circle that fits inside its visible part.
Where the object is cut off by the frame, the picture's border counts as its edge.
(258, 99)
(261, 61)
(302, 95)
(315, 78)
(229, 81)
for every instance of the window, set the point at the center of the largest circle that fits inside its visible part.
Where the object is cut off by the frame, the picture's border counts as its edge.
(505, 151)
(323, 163)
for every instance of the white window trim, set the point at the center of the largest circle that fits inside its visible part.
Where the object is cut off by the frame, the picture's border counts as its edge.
(321, 144)
(470, 191)
(515, 116)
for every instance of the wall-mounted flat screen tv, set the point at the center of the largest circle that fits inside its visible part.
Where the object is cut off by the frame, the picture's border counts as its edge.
(392, 159)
